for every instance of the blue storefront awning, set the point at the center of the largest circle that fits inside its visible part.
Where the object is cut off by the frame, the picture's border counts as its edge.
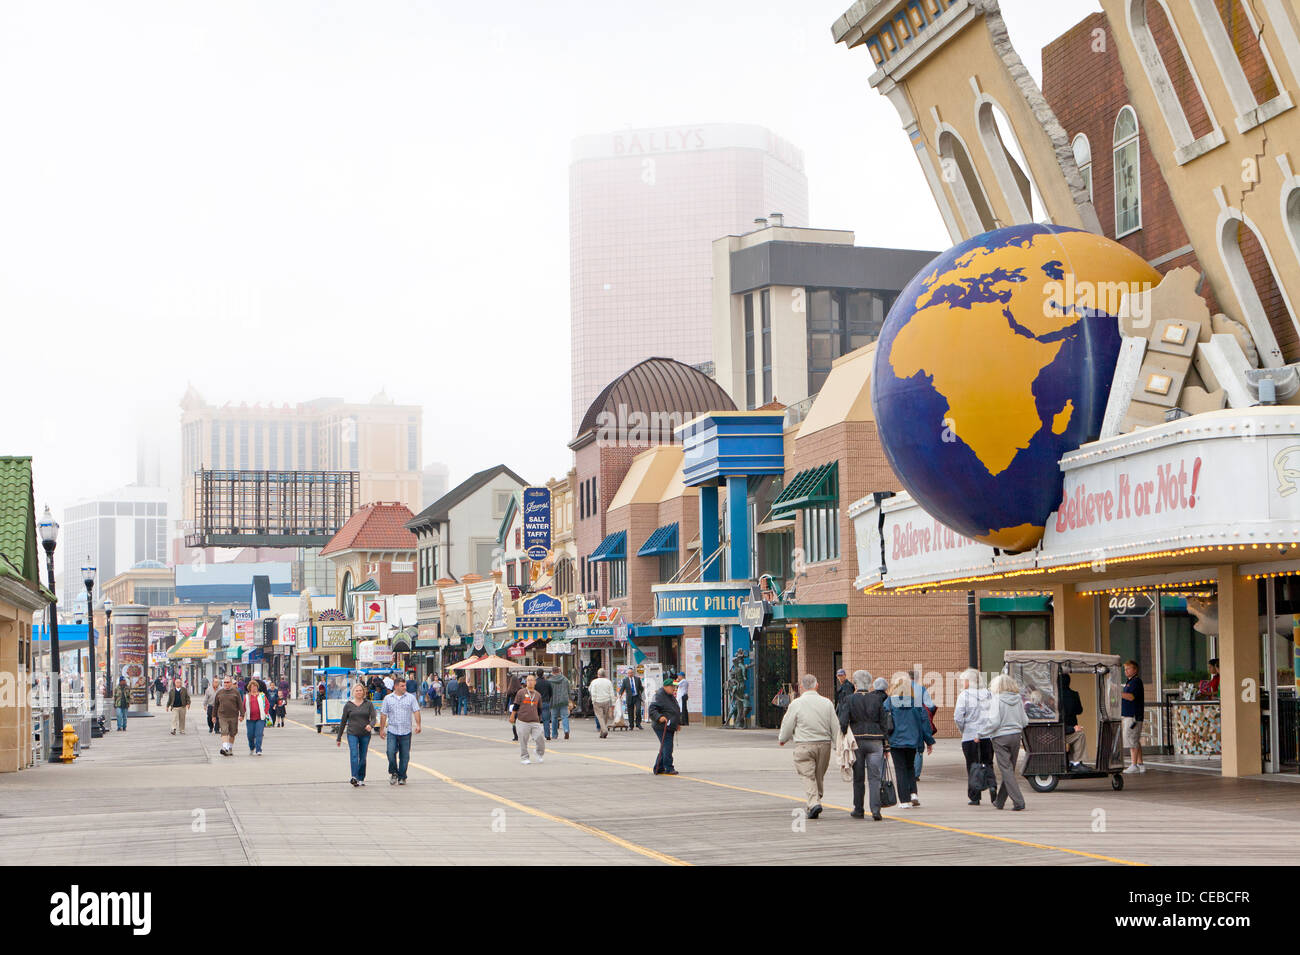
(662, 541)
(613, 547)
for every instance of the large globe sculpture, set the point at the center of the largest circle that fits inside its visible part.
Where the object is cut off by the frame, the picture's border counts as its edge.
(994, 361)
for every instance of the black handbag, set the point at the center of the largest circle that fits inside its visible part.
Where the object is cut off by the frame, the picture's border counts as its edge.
(888, 793)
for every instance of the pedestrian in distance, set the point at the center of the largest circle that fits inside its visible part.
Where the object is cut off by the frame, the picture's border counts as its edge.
(462, 697)
(544, 691)
(453, 687)
(320, 705)
(666, 718)
(632, 690)
(358, 722)
(178, 704)
(921, 693)
(863, 713)
(255, 715)
(513, 686)
(229, 709)
(121, 702)
(435, 696)
(810, 721)
(1005, 722)
(272, 701)
(399, 716)
(684, 697)
(281, 708)
(843, 687)
(1132, 708)
(911, 732)
(602, 702)
(969, 714)
(561, 702)
(527, 718)
(412, 688)
(209, 695)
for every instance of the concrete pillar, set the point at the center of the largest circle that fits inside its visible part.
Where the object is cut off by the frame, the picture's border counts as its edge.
(1239, 644)
(709, 531)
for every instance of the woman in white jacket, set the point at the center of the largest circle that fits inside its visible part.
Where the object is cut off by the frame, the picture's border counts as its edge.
(970, 713)
(1005, 721)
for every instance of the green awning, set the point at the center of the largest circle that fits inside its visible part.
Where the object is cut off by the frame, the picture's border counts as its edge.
(1031, 603)
(810, 611)
(815, 487)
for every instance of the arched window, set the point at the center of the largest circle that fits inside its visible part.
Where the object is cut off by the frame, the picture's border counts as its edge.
(349, 603)
(563, 576)
(1173, 80)
(1009, 164)
(959, 173)
(1259, 293)
(1128, 175)
(1242, 58)
(1083, 159)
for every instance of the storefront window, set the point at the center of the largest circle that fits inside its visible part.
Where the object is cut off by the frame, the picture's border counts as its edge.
(667, 566)
(1000, 633)
(1186, 649)
(821, 534)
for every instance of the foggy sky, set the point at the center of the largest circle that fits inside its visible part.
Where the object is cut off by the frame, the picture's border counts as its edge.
(278, 200)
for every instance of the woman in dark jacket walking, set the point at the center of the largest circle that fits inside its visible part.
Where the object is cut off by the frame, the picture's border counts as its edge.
(359, 720)
(911, 731)
(863, 712)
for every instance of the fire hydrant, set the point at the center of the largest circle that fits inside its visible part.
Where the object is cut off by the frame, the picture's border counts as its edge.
(69, 743)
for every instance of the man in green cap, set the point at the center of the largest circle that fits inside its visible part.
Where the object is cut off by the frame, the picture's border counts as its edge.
(666, 718)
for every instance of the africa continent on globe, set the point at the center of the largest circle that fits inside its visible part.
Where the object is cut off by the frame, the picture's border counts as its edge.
(994, 361)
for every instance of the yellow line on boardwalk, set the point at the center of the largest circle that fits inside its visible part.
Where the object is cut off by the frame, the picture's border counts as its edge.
(539, 813)
(763, 792)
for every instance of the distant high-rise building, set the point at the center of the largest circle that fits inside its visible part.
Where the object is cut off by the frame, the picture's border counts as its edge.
(381, 440)
(644, 208)
(112, 533)
(435, 482)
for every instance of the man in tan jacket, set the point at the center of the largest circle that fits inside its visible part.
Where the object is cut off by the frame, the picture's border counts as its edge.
(811, 722)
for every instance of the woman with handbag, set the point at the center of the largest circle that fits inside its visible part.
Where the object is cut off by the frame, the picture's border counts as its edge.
(970, 712)
(863, 713)
(911, 731)
(1005, 723)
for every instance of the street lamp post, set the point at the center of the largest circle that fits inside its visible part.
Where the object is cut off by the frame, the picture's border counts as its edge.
(88, 577)
(49, 531)
(108, 655)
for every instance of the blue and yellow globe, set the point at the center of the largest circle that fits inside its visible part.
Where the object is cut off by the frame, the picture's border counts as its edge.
(996, 360)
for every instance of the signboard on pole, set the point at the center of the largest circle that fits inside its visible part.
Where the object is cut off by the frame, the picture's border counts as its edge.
(537, 522)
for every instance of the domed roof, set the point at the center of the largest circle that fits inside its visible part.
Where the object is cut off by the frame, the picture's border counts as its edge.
(656, 385)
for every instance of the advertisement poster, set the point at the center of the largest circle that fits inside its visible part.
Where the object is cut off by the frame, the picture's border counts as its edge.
(131, 647)
(372, 611)
(537, 522)
(335, 637)
(694, 667)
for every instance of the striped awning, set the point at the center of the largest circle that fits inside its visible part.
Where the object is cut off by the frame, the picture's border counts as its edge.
(662, 541)
(613, 547)
(816, 487)
(191, 648)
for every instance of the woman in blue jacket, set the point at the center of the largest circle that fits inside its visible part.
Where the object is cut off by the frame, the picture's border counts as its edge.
(911, 730)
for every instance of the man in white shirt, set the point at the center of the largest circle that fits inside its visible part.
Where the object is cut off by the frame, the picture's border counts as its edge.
(399, 713)
(602, 701)
(813, 725)
(683, 696)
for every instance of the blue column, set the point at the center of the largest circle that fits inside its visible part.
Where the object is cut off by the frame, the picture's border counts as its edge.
(738, 564)
(709, 531)
(712, 643)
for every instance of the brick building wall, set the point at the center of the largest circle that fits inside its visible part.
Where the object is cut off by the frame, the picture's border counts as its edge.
(1084, 84)
(640, 521)
(884, 634)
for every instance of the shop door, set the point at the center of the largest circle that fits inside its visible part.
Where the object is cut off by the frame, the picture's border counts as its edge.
(775, 659)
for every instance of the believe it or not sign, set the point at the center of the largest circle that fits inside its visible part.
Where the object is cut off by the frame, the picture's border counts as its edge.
(537, 522)
(699, 604)
(334, 636)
